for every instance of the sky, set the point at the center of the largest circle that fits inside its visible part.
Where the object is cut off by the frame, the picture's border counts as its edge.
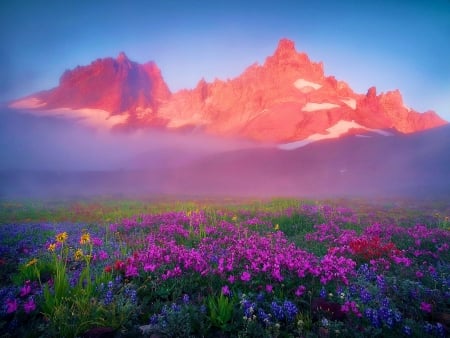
(402, 44)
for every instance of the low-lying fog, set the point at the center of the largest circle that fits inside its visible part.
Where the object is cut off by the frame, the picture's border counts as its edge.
(54, 158)
(29, 142)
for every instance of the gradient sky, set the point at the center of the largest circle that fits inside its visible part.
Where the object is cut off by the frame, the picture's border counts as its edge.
(401, 44)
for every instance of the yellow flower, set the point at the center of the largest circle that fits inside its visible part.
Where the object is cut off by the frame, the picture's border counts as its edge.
(85, 238)
(51, 247)
(234, 218)
(62, 237)
(32, 262)
(78, 254)
(277, 227)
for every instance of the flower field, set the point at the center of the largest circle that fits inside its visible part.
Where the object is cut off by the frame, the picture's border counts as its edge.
(279, 268)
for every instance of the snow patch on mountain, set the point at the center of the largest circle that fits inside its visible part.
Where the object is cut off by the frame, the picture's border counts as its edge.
(306, 86)
(340, 128)
(350, 102)
(313, 106)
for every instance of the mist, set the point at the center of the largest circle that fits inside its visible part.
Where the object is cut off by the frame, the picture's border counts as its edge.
(55, 158)
(29, 142)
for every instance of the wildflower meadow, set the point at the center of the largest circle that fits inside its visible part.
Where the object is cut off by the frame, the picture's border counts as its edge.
(274, 268)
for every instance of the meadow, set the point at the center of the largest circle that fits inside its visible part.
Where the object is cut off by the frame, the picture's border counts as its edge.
(224, 268)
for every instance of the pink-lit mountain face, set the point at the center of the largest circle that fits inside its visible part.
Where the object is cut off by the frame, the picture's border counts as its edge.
(286, 99)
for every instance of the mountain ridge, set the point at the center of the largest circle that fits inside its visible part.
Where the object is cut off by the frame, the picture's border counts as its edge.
(288, 98)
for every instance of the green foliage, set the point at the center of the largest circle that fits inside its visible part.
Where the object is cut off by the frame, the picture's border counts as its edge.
(221, 311)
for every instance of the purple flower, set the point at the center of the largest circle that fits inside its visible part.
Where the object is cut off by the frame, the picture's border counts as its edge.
(29, 305)
(26, 289)
(103, 255)
(11, 305)
(269, 288)
(97, 241)
(300, 291)
(426, 307)
(225, 290)
(131, 271)
(245, 277)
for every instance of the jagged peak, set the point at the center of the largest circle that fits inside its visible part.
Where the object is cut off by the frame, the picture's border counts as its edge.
(285, 49)
(122, 57)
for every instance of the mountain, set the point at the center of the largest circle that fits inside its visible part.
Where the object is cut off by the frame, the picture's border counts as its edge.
(285, 100)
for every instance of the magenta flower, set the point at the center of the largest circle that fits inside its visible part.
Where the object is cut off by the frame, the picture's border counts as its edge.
(269, 288)
(29, 306)
(426, 307)
(11, 305)
(231, 279)
(225, 290)
(97, 241)
(26, 289)
(103, 255)
(131, 271)
(419, 274)
(300, 290)
(245, 276)
(351, 307)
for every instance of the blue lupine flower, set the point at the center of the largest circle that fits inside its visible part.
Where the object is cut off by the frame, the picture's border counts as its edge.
(277, 311)
(175, 307)
(381, 283)
(260, 297)
(428, 328)
(263, 317)
(154, 319)
(365, 296)
(440, 329)
(186, 298)
(290, 310)
(165, 310)
(249, 308)
(407, 330)
(390, 322)
(397, 316)
(323, 292)
(353, 290)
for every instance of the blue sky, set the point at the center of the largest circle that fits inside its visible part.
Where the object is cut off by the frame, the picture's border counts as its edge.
(402, 44)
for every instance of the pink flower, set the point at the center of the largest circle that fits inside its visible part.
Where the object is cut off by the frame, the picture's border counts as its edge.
(245, 277)
(149, 267)
(231, 279)
(26, 289)
(225, 290)
(97, 241)
(419, 274)
(300, 290)
(269, 288)
(351, 307)
(103, 255)
(426, 307)
(131, 271)
(29, 306)
(11, 305)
